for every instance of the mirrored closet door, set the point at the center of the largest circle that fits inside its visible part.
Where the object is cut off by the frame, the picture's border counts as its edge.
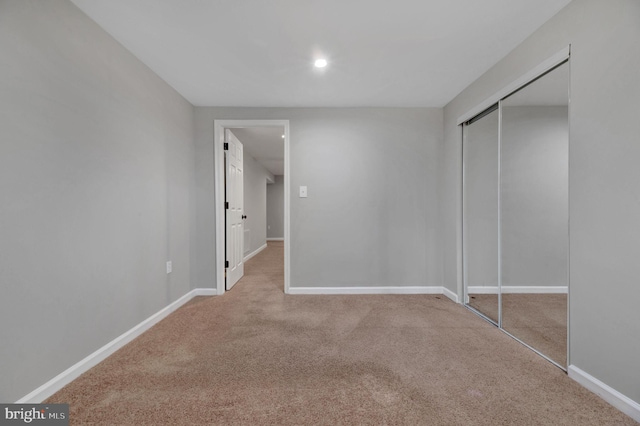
(481, 213)
(516, 235)
(534, 191)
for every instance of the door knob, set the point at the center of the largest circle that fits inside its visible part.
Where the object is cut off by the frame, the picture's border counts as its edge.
(244, 216)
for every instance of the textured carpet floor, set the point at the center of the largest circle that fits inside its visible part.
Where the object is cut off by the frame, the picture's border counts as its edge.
(256, 356)
(539, 320)
(485, 303)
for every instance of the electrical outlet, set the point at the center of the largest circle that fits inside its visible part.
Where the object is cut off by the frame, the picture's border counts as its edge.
(303, 192)
(169, 267)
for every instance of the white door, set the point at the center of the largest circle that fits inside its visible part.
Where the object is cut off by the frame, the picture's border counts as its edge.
(234, 209)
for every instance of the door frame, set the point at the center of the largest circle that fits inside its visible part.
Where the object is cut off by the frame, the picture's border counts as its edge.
(219, 127)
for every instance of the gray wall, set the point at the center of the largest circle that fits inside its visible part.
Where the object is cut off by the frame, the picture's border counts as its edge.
(370, 218)
(255, 203)
(275, 208)
(604, 193)
(96, 171)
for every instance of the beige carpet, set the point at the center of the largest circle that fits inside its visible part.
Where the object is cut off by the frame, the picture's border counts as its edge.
(258, 357)
(539, 320)
(485, 303)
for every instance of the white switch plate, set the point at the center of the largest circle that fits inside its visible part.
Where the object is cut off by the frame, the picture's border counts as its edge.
(303, 192)
(169, 267)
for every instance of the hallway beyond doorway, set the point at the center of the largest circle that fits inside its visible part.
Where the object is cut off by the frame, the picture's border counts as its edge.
(264, 271)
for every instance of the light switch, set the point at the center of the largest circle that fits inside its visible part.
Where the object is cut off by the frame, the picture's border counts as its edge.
(303, 192)
(169, 267)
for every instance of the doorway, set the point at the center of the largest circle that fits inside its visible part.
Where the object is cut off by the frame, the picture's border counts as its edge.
(220, 128)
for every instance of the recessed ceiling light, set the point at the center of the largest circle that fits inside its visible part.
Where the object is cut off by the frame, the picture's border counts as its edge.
(282, 136)
(320, 63)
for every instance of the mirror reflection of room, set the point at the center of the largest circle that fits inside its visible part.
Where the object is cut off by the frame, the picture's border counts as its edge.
(535, 214)
(516, 214)
(481, 213)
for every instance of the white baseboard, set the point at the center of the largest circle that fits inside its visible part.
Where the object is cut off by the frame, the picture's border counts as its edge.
(202, 292)
(520, 289)
(275, 239)
(535, 289)
(256, 251)
(368, 290)
(623, 403)
(73, 372)
(450, 294)
(482, 290)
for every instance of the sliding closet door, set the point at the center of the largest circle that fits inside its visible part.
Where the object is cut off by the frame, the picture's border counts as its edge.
(480, 205)
(534, 214)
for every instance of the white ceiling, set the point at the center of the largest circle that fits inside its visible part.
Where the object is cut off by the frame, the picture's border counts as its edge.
(260, 53)
(265, 144)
